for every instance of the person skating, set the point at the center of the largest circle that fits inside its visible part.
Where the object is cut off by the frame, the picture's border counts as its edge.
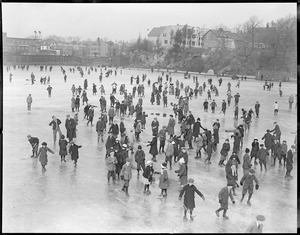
(283, 152)
(29, 102)
(276, 149)
(49, 89)
(182, 172)
(256, 107)
(246, 161)
(73, 150)
(277, 131)
(42, 154)
(90, 115)
(147, 176)
(70, 125)
(55, 127)
(34, 141)
(111, 162)
(153, 147)
(289, 162)
(247, 183)
(126, 175)
(199, 145)
(224, 107)
(256, 226)
(223, 196)
(163, 180)
(140, 159)
(224, 152)
(232, 177)
(63, 148)
(209, 150)
(254, 150)
(276, 108)
(155, 126)
(189, 191)
(262, 157)
(169, 152)
(171, 126)
(100, 127)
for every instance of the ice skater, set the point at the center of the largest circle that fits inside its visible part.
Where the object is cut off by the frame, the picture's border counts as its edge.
(189, 191)
(29, 102)
(163, 180)
(73, 150)
(42, 154)
(55, 127)
(111, 162)
(63, 148)
(223, 195)
(34, 141)
(256, 226)
(126, 175)
(148, 176)
(247, 183)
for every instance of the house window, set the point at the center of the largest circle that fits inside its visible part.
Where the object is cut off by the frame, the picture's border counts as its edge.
(166, 41)
(164, 34)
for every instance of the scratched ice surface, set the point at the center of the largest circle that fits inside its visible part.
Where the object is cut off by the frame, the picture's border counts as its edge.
(69, 199)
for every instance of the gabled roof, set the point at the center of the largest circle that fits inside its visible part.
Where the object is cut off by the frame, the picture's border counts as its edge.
(226, 34)
(157, 31)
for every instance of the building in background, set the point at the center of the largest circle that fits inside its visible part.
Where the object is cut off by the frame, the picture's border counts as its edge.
(164, 35)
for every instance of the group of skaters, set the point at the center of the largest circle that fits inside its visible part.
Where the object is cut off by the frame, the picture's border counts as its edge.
(121, 140)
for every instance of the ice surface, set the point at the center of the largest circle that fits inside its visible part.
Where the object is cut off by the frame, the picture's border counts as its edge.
(78, 199)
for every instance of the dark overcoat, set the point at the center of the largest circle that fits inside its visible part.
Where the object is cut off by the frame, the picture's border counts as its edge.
(164, 180)
(189, 195)
(223, 196)
(74, 151)
(63, 147)
(153, 146)
(71, 128)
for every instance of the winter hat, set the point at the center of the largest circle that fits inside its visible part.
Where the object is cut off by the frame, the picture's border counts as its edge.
(62, 136)
(44, 144)
(255, 138)
(181, 160)
(252, 171)
(28, 136)
(260, 218)
(227, 139)
(191, 180)
(139, 147)
(247, 150)
(173, 142)
(293, 146)
(149, 163)
(164, 165)
(124, 146)
(261, 145)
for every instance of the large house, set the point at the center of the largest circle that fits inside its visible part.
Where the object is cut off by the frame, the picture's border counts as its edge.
(164, 35)
(222, 39)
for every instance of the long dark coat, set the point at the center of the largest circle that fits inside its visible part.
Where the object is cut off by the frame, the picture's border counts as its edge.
(223, 195)
(74, 151)
(189, 195)
(289, 160)
(254, 149)
(71, 128)
(171, 126)
(63, 147)
(224, 151)
(268, 140)
(43, 155)
(153, 146)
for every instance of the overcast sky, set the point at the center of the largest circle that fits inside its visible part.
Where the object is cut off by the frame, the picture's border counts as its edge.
(126, 21)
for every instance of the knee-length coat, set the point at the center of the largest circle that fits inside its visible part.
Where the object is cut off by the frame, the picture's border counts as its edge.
(171, 126)
(223, 196)
(153, 146)
(182, 173)
(63, 147)
(71, 128)
(74, 151)
(43, 155)
(189, 195)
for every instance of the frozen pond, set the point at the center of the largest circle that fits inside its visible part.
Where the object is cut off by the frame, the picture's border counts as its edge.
(78, 199)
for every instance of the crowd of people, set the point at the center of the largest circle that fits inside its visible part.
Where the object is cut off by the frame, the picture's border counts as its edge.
(124, 151)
